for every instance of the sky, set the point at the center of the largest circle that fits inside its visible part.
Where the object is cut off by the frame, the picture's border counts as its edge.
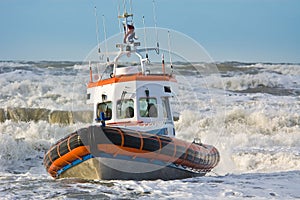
(229, 30)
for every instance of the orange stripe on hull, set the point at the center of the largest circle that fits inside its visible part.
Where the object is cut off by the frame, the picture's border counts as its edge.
(127, 78)
(67, 158)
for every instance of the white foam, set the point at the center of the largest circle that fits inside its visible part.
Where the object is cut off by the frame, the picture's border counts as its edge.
(23, 88)
(23, 145)
(246, 81)
(270, 124)
(12, 64)
(286, 69)
(254, 132)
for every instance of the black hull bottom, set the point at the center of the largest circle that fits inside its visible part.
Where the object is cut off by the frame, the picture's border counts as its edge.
(115, 169)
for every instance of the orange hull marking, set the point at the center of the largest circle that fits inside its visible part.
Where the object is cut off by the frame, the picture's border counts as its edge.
(127, 78)
(60, 162)
(128, 123)
(70, 150)
(59, 152)
(48, 153)
(142, 141)
(133, 152)
(160, 145)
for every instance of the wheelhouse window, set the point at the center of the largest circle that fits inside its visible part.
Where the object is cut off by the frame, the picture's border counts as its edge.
(106, 108)
(148, 107)
(166, 108)
(125, 108)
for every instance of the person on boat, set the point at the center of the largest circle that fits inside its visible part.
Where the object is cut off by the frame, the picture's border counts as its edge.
(129, 112)
(103, 107)
(152, 110)
(129, 34)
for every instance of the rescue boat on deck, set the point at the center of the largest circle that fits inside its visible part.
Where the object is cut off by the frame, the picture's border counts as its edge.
(133, 134)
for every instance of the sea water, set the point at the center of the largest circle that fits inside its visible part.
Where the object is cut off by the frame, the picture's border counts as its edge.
(251, 113)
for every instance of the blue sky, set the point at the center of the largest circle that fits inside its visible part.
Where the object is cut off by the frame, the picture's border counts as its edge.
(239, 30)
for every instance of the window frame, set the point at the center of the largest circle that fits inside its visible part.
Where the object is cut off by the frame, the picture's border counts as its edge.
(123, 114)
(146, 112)
(108, 104)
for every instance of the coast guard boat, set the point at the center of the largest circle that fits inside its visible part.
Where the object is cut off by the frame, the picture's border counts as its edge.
(132, 135)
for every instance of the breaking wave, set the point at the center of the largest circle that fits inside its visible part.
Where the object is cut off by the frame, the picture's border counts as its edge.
(254, 130)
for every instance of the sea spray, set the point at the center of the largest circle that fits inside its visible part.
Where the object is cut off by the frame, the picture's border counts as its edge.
(24, 144)
(259, 140)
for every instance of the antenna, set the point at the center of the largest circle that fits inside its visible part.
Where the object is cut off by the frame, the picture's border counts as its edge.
(104, 30)
(163, 63)
(91, 72)
(169, 45)
(120, 27)
(145, 37)
(124, 5)
(155, 25)
(97, 30)
(130, 2)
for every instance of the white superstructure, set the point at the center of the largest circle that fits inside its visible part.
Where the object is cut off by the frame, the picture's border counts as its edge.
(132, 96)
